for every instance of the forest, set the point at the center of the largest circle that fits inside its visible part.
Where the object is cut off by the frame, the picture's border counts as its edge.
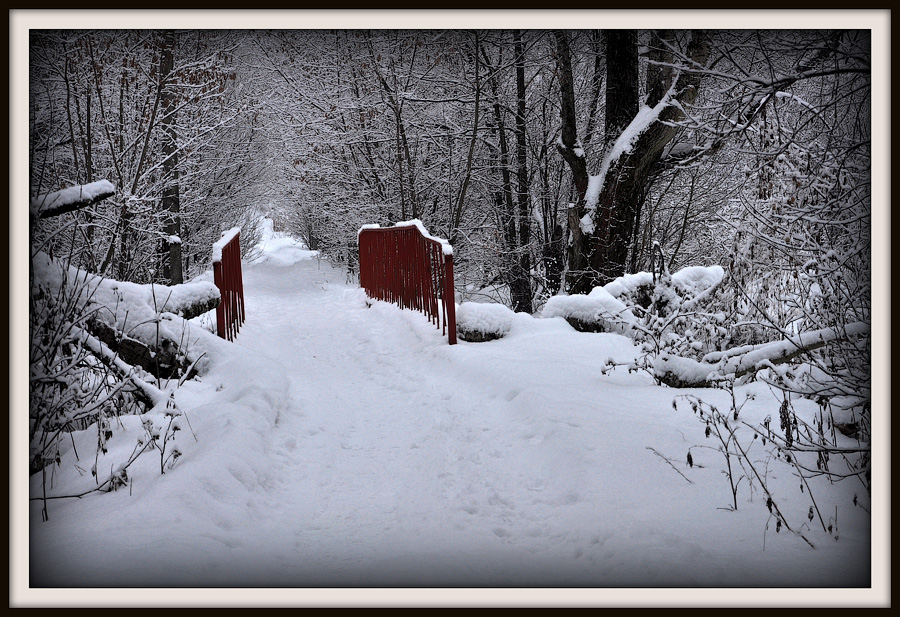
(559, 164)
(553, 161)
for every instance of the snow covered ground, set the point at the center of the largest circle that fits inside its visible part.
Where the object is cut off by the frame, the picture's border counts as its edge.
(341, 445)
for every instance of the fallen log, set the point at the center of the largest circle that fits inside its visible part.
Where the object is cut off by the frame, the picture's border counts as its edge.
(144, 324)
(163, 361)
(679, 372)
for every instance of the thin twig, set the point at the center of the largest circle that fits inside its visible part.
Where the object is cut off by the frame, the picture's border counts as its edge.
(670, 464)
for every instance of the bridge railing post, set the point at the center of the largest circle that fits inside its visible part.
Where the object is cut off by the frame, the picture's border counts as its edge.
(227, 275)
(449, 292)
(407, 266)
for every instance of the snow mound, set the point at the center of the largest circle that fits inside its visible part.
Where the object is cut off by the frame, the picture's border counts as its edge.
(598, 311)
(476, 321)
(146, 313)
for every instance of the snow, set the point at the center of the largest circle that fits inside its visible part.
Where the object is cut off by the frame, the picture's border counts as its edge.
(623, 145)
(587, 222)
(446, 248)
(679, 150)
(342, 445)
(368, 226)
(484, 317)
(147, 313)
(222, 242)
(591, 195)
(59, 201)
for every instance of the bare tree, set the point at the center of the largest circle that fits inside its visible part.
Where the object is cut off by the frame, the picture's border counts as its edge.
(602, 221)
(170, 202)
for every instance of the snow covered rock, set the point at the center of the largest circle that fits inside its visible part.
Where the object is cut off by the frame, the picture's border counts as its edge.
(598, 311)
(479, 322)
(617, 306)
(632, 289)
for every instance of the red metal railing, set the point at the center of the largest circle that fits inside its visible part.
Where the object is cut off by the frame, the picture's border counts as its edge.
(406, 266)
(230, 313)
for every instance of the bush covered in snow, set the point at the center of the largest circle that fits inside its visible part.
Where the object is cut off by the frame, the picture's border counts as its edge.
(599, 311)
(478, 322)
(145, 324)
(102, 349)
(670, 316)
(634, 304)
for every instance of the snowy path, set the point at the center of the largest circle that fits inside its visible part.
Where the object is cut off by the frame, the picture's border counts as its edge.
(392, 454)
(342, 445)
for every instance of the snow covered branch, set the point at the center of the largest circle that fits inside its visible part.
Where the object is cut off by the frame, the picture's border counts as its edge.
(681, 372)
(70, 199)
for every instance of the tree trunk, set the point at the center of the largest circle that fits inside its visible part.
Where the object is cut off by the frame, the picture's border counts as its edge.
(627, 178)
(457, 209)
(578, 279)
(599, 255)
(553, 250)
(596, 86)
(503, 197)
(521, 283)
(172, 270)
(616, 209)
(621, 81)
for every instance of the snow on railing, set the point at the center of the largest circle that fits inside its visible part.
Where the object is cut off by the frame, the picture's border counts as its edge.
(405, 265)
(226, 258)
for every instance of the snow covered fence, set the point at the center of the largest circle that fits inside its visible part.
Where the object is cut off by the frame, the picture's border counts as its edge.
(405, 265)
(226, 258)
